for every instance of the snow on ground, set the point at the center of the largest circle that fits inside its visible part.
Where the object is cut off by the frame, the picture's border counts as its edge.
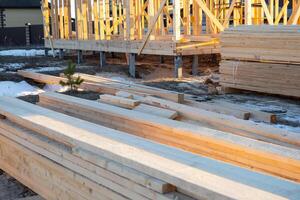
(13, 89)
(44, 69)
(115, 77)
(11, 66)
(54, 88)
(24, 52)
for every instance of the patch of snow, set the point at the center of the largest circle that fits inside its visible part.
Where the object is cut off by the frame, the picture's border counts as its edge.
(25, 52)
(54, 88)
(119, 78)
(288, 128)
(45, 69)
(13, 89)
(183, 85)
(11, 66)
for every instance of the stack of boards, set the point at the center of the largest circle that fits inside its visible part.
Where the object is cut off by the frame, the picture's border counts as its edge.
(261, 58)
(63, 157)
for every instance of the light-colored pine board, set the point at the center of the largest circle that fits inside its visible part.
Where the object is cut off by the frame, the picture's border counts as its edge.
(170, 132)
(92, 138)
(152, 110)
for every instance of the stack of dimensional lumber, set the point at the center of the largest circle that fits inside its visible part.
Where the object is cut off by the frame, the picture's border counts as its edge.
(113, 87)
(239, 150)
(62, 157)
(261, 58)
(108, 86)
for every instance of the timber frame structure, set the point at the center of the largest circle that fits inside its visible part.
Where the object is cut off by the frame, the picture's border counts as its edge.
(158, 27)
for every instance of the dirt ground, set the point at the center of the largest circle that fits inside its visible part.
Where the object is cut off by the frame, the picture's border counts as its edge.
(150, 71)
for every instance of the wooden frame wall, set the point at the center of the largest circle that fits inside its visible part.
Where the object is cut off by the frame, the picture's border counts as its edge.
(138, 26)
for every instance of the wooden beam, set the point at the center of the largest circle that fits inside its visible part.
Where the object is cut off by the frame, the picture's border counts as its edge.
(185, 136)
(210, 15)
(229, 12)
(293, 20)
(161, 161)
(100, 85)
(248, 12)
(119, 101)
(279, 16)
(152, 24)
(267, 12)
(176, 20)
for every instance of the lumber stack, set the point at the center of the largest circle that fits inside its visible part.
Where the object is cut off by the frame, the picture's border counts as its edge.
(261, 58)
(235, 149)
(106, 86)
(62, 157)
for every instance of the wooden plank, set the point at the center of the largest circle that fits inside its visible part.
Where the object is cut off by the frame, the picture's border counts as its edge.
(209, 14)
(254, 114)
(169, 114)
(293, 20)
(105, 164)
(34, 171)
(221, 122)
(248, 12)
(171, 95)
(104, 87)
(124, 94)
(176, 21)
(94, 173)
(170, 132)
(119, 101)
(199, 181)
(152, 24)
(214, 107)
(267, 12)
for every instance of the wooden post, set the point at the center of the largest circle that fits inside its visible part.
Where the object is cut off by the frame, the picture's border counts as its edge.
(178, 66)
(96, 19)
(176, 20)
(46, 15)
(84, 10)
(195, 65)
(67, 19)
(61, 20)
(248, 12)
(79, 20)
(102, 59)
(101, 19)
(132, 65)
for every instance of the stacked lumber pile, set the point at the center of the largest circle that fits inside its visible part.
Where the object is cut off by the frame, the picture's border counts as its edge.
(261, 58)
(130, 90)
(203, 141)
(107, 86)
(63, 157)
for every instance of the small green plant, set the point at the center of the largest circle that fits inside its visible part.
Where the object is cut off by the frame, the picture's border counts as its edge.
(72, 82)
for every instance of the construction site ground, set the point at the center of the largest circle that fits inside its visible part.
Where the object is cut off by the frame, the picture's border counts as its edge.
(150, 71)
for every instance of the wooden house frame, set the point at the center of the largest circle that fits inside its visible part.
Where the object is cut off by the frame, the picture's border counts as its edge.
(159, 27)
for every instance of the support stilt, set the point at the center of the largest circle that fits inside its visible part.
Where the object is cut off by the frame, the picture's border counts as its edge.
(46, 52)
(132, 64)
(79, 56)
(178, 66)
(61, 54)
(102, 59)
(161, 59)
(195, 65)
